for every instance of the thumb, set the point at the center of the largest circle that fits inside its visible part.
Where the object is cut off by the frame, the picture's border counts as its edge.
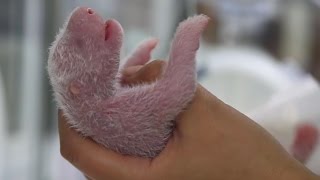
(143, 74)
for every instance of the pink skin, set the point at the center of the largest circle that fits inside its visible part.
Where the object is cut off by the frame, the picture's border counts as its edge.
(307, 137)
(83, 68)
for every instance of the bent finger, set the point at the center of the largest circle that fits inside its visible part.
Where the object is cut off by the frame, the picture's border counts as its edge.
(94, 160)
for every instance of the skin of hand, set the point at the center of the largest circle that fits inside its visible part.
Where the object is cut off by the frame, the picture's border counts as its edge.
(211, 141)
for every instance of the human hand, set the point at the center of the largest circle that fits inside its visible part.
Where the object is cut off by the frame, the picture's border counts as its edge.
(211, 141)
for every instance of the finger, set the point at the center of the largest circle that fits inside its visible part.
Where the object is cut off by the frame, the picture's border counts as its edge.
(131, 70)
(146, 74)
(142, 54)
(94, 160)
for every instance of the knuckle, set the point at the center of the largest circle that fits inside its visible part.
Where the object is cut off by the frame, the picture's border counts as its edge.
(69, 155)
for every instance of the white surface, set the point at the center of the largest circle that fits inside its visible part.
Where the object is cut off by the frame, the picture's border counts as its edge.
(287, 109)
(276, 96)
(243, 77)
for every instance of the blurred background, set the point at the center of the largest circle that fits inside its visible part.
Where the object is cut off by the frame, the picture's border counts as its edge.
(260, 56)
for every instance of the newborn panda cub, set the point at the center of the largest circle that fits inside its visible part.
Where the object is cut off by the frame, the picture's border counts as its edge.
(84, 71)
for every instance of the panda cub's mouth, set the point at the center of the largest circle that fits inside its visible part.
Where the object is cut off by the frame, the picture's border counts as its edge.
(107, 25)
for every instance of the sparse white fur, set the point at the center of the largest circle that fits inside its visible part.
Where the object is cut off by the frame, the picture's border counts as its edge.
(138, 120)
